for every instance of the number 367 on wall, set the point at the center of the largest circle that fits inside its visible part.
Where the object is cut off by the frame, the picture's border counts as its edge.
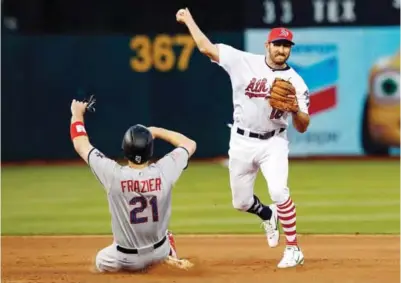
(160, 53)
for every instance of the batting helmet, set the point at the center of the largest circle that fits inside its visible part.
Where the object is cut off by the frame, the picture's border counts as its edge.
(138, 144)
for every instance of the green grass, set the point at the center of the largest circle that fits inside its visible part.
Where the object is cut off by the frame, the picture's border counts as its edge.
(331, 197)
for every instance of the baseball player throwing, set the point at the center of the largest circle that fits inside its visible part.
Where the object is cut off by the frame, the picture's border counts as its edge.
(266, 91)
(139, 194)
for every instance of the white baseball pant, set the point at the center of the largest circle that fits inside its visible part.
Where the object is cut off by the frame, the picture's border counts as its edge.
(246, 156)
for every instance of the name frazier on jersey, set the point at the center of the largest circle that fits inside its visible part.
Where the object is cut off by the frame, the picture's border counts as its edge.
(144, 186)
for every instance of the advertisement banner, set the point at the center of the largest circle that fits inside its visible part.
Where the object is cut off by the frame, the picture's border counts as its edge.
(321, 13)
(353, 77)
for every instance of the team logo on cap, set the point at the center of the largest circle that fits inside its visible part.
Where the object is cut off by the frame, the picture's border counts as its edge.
(284, 32)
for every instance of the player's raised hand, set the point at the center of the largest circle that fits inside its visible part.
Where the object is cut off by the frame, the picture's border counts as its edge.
(183, 16)
(78, 108)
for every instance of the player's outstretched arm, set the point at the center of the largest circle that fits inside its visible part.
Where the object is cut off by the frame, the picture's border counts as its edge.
(78, 133)
(203, 43)
(174, 138)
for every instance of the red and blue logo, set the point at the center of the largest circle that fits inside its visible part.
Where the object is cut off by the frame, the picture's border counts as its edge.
(318, 65)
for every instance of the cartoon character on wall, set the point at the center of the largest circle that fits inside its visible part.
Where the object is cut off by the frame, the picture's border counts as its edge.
(381, 114)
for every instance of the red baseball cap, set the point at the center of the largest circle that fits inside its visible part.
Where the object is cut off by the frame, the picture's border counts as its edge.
(280, 34)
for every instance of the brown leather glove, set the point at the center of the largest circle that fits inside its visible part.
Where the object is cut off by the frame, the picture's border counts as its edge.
(283, 96)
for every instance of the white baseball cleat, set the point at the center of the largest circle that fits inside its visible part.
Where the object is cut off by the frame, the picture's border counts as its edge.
(293, 256)
(271, 228)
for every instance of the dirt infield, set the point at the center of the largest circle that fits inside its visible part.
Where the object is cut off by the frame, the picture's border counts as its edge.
(225, 259)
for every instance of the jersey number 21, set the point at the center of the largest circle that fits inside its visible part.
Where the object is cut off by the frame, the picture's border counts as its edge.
(143, 204)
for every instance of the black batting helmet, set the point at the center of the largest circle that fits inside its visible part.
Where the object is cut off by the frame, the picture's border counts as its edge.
(138, 144)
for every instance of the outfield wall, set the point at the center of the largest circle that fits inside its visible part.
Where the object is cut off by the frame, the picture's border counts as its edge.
(145, 78)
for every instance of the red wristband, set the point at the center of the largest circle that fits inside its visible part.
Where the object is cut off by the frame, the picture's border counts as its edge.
(77, 129)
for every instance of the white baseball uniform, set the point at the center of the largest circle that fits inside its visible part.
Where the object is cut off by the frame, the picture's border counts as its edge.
(251, 80)
(140, 207)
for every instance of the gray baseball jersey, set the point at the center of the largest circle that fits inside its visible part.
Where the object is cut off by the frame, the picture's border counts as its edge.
(139, 199)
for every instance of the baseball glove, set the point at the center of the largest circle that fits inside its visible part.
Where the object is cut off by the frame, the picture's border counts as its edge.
(283, 96)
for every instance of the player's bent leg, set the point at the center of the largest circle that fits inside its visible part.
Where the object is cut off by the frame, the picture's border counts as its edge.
(106, 260)
(275, 171)
(242, 180)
